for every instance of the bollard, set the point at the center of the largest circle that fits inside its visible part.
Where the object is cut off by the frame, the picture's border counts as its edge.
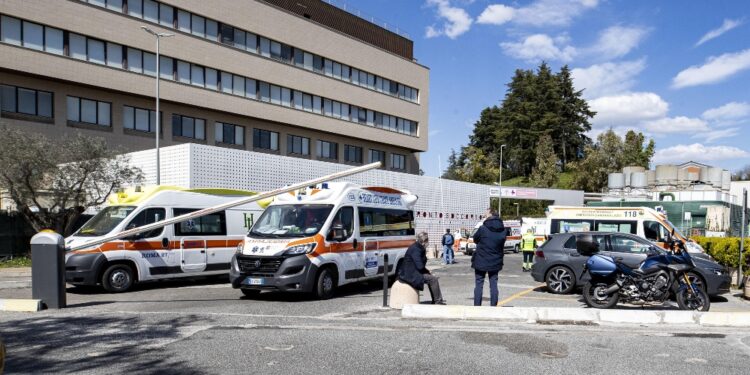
(385, 280)
(48, 269)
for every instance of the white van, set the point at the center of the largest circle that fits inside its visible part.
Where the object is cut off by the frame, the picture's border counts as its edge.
(317, 239)
(512, 239)
(196, 247)
(641, 221)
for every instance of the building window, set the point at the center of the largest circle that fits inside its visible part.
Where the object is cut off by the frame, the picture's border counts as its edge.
(188, 127)
(230, 134)
(265, 140)
(139, 119)
(377, 155)
(353, 154)
(398, 162)
(26, 101)
(328, 150)
(89, 111)
(297, 145)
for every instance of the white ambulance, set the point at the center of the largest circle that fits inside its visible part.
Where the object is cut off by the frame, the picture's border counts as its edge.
(512, 239)
(317, 239)
(196, 247)
(644, 222)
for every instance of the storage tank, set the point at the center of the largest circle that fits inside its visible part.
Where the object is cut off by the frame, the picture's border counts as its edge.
(651, 178)
(682, 176)
(666, 174)
(616, 181)
(726, 180)
(714, 177)
(628, 172)
(704, 175)
(638, 180)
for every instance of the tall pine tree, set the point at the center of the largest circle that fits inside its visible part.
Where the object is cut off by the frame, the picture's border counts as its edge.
(545, 173)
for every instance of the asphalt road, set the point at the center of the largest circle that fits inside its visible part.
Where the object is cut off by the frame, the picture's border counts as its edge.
(204, 326)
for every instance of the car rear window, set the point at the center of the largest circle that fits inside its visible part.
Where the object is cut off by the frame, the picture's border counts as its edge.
(570, 243)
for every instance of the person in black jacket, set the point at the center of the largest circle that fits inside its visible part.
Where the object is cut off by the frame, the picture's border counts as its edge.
(488, 256)
(414, 272)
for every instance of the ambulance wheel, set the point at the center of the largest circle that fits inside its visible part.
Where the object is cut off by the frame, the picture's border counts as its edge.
(117, 278)
(325, 285)
(250, 292)
(516, 248)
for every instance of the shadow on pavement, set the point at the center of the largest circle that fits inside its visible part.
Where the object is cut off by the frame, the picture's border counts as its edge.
(111, 344)
(152, 285)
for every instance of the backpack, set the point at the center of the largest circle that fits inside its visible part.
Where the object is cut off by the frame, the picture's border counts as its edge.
(448, 239)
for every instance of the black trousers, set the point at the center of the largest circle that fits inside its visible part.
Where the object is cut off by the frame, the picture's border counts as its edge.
(434, 285)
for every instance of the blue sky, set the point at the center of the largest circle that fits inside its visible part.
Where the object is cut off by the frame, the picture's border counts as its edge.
(678, 71)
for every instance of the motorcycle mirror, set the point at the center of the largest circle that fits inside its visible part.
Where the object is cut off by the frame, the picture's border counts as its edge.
(586, 245)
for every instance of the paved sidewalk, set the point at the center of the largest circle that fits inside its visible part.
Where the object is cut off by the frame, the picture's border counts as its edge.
(15, 278)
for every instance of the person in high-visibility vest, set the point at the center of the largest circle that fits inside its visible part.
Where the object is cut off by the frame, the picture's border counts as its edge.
(528, 245)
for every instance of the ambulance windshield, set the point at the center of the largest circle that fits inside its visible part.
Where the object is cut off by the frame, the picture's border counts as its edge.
(106, 220)
(292, 220)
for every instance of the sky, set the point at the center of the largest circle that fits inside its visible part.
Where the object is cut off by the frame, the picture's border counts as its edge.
(676, 70)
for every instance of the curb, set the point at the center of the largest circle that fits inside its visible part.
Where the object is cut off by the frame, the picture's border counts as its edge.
(576, 316)
(22, 305)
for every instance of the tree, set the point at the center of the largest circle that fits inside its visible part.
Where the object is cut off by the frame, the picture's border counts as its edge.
(608, 155)
(574, 124)
(742, 174)
(451, 171)
(633, 152)
(53, 183)
(545, 174)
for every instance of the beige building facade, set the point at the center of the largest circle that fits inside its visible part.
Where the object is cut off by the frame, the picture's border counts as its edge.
(295, 78)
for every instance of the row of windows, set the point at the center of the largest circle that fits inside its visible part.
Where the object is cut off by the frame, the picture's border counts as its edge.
(12, 30)
(39, 103)
(179, 19)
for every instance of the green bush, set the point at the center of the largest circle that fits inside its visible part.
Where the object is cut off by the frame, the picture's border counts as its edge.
(16, 262)
(726, 250)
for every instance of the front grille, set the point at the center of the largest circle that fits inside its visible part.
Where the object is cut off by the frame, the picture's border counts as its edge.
(259, 266)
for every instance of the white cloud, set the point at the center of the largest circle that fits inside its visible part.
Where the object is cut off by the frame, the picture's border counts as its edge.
(608, 78)
(698, 152)
(715, 69)
(539, 47)
(680, 124)
(718, 134)
(617, 41)
(456, 20)
(715, 33)
(728, 112)
(628, 109)
(539, 13)
(496, 14)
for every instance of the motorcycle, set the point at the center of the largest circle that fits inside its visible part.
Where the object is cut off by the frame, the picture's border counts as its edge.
(659, 276)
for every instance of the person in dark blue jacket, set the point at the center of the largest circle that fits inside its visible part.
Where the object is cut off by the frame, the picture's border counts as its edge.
(414, 271)
(488, 256)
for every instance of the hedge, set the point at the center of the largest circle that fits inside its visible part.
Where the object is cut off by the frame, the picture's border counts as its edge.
(726, 250)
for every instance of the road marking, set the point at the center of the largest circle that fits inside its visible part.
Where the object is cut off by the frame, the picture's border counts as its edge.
(519, 294)
(553, 299)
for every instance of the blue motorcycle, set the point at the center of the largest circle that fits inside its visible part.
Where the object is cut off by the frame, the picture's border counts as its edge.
(661, 274)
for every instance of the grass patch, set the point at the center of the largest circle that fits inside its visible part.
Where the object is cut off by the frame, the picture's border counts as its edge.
(16, 262)
(564, 181)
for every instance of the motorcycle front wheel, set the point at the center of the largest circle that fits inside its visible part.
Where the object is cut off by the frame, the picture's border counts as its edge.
(689, 300)
(595, 296)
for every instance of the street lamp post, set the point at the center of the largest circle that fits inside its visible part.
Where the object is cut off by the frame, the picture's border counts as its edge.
(500, 184)
(157, 115)
(517, 214)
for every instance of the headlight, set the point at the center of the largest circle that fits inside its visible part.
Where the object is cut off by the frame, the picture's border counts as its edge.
(300, 249)
(240, 246)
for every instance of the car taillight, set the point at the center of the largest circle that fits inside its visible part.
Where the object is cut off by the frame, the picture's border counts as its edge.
(539, 254)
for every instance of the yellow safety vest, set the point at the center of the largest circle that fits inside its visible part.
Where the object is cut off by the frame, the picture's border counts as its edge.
(528, 242)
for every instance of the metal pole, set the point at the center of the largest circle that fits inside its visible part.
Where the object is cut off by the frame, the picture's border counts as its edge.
(742, 234)
(385, 280)
(158, 118)
(222, 207)
(500, 184)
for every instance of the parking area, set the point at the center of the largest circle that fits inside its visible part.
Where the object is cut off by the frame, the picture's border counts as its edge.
(215, 295)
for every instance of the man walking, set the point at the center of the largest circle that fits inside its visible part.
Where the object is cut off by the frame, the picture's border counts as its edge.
(448, 247)
(528, 245)
(488, 256)
(414, 271)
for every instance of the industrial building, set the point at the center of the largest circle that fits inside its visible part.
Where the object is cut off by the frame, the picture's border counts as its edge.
(300, 78)
(699, 199)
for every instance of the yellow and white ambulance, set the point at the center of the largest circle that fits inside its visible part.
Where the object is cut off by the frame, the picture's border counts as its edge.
(645, 222)
(317, 239)
(512, 239)
(196, 247)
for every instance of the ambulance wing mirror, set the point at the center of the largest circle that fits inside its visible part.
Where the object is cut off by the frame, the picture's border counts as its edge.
(586, 245)
(337, 233)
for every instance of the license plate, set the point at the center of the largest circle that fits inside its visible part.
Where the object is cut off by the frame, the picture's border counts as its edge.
(253, 281)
